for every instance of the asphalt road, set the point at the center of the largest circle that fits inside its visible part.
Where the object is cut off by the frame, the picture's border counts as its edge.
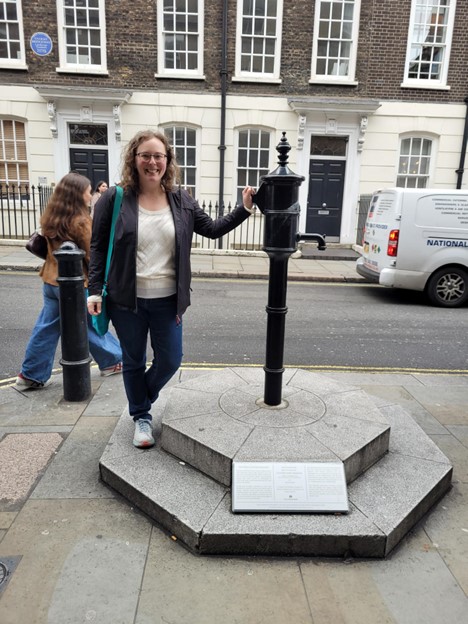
(332, 325)
(327, 325)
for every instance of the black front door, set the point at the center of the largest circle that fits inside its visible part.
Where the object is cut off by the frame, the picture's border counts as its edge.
(92, 163)
(325, 197)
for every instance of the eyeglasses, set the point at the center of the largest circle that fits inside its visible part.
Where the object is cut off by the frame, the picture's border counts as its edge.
(146, 156)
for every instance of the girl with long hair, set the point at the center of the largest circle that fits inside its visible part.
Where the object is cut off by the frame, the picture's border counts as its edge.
(66, 218)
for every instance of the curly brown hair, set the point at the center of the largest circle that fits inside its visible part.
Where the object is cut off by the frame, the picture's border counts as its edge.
(130, 179)
(66, 210)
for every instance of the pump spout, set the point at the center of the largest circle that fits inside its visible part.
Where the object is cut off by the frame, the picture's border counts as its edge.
(319, 238)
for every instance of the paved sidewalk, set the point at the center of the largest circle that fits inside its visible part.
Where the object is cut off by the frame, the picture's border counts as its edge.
(220, 264)
(77, 552)
(74, 551)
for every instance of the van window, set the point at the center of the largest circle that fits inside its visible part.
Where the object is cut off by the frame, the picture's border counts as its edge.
(382, 207)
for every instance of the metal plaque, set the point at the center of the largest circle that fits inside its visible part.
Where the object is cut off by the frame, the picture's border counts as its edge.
(315, 487)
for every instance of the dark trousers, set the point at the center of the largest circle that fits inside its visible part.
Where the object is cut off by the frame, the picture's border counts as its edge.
(158, 318)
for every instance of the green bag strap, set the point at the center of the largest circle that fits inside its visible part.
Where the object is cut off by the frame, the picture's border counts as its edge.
(115, 213)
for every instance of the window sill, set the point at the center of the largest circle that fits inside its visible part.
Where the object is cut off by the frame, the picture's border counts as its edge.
(334, 82)
(180, 76)
(15, 67)
(82, 70)
(419, 85)
(259, 78)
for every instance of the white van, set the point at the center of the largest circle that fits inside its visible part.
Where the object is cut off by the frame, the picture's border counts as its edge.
(418, 239)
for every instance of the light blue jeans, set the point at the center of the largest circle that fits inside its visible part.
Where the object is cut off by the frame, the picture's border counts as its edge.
(40, 352)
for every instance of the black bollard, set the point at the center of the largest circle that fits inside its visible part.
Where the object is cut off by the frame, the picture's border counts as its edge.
(277, 198)
(73, 323)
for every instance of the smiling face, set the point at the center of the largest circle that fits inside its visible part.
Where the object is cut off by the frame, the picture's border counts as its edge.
(150, 173)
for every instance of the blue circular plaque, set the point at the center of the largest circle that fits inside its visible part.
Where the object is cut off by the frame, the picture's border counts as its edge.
(41, 44)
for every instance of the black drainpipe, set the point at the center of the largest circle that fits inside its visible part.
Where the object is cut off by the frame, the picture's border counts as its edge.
(222, 137)
(461, 167)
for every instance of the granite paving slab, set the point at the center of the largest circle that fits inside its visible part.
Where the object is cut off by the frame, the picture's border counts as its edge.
(177, 496)
(291, 534)
(396, 492)
(24, 458)
(447, 528)
(208, 442)
(209, 590)
(396, 395)
(208, 434)
(74, 472)
(82, 561)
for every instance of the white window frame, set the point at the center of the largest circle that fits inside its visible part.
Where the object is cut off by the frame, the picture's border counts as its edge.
(9, 63)
(184, 166)
(350, 78)
(192, 74)
(429, 83)
(81, 68)
(250, 76)
(16, 162)
(250, 181)
(427, 176)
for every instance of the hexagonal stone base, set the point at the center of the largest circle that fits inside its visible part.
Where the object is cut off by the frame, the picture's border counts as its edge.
(334, 421)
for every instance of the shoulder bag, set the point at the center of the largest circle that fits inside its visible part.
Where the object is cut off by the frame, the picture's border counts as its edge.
(101, 321)
(37, 245)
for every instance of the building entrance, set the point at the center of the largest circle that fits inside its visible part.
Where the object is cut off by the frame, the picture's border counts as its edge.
(89, 152)
(326, 183)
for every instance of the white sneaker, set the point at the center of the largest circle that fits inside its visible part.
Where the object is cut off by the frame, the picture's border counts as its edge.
(23, 383)
(143, 437)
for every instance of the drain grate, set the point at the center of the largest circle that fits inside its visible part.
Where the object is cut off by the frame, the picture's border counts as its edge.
(4, 572)
(7, 566)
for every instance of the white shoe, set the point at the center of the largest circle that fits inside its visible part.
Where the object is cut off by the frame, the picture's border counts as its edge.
(23, 383)
(143, 437)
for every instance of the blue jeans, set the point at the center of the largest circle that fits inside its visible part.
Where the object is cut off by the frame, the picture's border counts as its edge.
(40, 352)
(158, 317)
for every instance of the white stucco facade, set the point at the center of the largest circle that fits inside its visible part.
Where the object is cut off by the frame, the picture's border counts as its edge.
(373, 131)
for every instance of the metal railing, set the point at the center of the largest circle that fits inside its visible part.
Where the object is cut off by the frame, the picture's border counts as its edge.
(21, 208)
(362, 210)
(247, 237)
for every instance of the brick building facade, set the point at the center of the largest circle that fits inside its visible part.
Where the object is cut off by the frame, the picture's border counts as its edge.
(370, 93)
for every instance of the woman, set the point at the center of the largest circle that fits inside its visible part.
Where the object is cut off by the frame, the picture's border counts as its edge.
(149, 277)
(66, 218)
(101, 187)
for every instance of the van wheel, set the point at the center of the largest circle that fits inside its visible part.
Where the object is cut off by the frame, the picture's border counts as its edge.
(448, 287)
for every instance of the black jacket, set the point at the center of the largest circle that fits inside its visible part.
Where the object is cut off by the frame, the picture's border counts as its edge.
(188, 218)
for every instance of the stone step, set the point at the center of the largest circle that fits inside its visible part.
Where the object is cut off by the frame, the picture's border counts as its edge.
(386, 500)
(212, 420)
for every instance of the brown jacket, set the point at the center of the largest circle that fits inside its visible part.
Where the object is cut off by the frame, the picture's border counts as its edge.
(82, 238)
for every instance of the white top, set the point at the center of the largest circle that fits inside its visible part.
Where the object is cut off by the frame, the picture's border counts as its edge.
(155, 265)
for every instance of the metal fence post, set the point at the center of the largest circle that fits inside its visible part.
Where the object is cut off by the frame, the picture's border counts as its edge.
(73, 323)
